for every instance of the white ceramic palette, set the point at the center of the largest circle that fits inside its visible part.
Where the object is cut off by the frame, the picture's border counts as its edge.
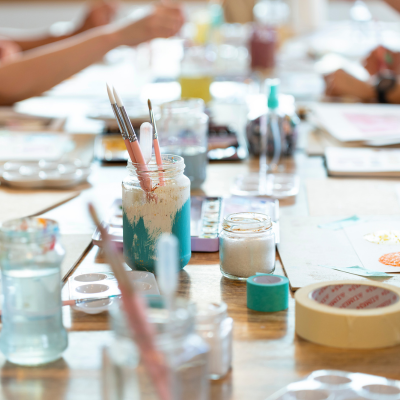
(340, 385)
(104, 284)
(43, 174)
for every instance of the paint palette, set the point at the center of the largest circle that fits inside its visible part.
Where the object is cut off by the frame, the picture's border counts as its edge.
(206, 216)
(340, 385)
(43, 174)
(104, 284)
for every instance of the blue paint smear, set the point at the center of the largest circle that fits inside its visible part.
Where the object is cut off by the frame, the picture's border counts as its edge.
(141, 255)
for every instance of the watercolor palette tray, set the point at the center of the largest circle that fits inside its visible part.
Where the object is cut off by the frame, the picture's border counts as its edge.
(340, 385)
(207, 214)
(103, 285)
(43, 174)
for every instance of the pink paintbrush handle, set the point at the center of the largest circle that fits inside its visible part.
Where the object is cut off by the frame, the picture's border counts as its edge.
(135, 310)
(145, 181)
(130, 151)
(157, 153)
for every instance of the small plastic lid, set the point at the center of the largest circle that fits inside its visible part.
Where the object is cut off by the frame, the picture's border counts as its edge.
(273, 95)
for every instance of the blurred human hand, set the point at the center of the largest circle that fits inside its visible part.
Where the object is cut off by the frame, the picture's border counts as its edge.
(382, 58)
(9, 50)
(165, 21)
(100, 12)
(342, 84)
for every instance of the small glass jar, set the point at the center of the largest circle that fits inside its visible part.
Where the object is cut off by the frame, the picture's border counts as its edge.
(247, 245)
(185, 352)
(30, 259)
(215, 327)
(165, 209)
(183, 128)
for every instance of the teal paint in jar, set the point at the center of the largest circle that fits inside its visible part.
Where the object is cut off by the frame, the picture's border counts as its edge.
(165, 209)
(30, 258)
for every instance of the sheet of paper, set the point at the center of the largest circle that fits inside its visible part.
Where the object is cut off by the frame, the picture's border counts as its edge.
(360, 271)
(306, 251)
(16, 203)
(344, 197)
(75, 246)
(363, 161)
(356, 122)
(369, 253)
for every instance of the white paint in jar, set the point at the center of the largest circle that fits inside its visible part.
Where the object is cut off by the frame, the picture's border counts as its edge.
(247, 245)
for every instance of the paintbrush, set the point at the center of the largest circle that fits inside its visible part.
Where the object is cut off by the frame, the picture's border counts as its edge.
(121, 123)
(156, 145)
(145, 180)
(135, 311)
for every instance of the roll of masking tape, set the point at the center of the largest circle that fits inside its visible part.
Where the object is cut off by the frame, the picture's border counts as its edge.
(349, 314)
(267, 293)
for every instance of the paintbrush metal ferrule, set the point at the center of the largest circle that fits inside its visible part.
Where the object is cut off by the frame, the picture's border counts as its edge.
(153, 121)
(120, 121)
(130, 131)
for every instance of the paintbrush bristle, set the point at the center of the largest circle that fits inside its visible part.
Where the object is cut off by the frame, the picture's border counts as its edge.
(117, 98)
(149, 104)
(110, 94)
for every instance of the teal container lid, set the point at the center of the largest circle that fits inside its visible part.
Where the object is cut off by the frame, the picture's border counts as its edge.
(267, 293)
(273, 95)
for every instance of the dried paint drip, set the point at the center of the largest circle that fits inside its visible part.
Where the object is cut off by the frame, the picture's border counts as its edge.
(392, 259)
(383, 237)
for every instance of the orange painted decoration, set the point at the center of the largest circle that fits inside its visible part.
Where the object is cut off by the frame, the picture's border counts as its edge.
(392, 259)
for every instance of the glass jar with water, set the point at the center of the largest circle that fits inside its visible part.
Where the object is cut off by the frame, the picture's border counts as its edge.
(30, 260)
(186, 354)
(183, 128)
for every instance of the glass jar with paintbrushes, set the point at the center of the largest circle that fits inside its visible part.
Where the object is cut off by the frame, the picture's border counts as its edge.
(155, 194)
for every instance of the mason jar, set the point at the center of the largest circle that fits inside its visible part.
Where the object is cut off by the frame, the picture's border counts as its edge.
(186, 355)
(155, 201)
(183, 129)
(215, 327)
(30, 258)
(247, 245)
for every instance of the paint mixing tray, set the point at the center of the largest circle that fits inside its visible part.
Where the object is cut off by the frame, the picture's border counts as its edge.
(103, 285)
(43, 174)
(340, 385)
(206, 216)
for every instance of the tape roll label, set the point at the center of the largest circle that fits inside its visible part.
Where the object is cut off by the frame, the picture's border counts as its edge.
(356, 297)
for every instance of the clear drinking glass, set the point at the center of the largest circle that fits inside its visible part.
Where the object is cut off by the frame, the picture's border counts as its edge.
(165, 209)
(183, 128)
(247, 245)
(185, 352)
(30, 259)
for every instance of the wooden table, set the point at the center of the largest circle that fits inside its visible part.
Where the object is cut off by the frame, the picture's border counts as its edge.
(267, 353)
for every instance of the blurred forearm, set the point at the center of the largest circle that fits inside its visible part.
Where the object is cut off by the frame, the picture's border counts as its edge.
(40, 69)
(394, 3)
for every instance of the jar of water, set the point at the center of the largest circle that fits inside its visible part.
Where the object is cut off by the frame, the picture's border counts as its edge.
(183, 129)
(30, 260)
(186, 355)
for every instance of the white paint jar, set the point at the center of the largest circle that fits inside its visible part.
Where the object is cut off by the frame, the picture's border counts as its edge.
(247, 245)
